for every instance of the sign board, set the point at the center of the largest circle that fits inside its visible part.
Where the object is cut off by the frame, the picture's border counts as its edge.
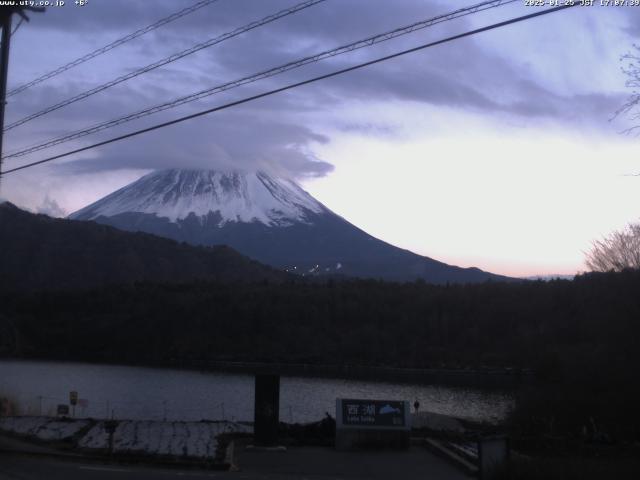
(372, 423)
(373, 413)
(73, 398)
(63, 409)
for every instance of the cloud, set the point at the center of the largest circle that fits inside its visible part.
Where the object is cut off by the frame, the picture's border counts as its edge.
(468, 75)
(244, 140)
(50, 207)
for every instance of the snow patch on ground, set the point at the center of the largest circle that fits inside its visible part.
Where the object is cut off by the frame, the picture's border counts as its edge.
(184, 439)
(43, 428)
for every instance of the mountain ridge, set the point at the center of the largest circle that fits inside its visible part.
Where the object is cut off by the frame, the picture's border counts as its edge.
(238, 196)
(40, 252)
(274, 222)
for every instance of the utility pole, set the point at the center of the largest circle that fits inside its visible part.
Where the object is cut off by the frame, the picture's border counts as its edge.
(4, 70)
(5, 17)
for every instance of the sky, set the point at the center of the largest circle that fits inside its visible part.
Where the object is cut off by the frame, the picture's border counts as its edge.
(501, 150)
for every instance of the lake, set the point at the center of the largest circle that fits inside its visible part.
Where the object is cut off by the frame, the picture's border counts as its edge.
(140, 393)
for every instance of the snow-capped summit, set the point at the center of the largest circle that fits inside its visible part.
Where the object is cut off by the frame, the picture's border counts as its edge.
(236, 196)
(267, 218)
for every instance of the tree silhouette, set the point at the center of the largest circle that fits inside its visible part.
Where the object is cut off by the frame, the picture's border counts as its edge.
(617, 252)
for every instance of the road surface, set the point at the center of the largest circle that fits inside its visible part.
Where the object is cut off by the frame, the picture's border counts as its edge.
(296, 463)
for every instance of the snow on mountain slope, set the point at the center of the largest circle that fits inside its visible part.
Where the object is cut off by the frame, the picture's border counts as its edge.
(268, 219)
(237, 196)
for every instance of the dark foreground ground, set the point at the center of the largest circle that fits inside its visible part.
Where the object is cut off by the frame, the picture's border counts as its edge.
(296, 463)
(326, 463)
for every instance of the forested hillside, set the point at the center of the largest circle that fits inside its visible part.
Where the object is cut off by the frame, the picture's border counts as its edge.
(39, 252)
(556, 327)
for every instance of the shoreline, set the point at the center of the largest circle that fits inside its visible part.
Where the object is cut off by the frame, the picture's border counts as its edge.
(490, 378)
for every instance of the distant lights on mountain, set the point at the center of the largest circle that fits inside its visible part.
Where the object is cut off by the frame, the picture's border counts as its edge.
(267, 218)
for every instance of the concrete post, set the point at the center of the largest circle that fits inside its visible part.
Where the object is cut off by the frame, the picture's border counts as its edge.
(493, 456)
(267, 409)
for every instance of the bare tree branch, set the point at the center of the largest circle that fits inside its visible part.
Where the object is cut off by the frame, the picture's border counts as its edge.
(619, 251)
(630, 107)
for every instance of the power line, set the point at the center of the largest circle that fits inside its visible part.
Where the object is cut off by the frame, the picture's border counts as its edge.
(177, 56)
(296, 85)
(112, 45)
(378, 38)
(15, 30)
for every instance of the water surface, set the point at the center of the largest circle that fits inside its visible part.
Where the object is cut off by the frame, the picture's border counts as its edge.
(156, 393)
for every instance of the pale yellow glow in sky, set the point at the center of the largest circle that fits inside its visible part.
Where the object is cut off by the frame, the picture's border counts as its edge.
(520, 202)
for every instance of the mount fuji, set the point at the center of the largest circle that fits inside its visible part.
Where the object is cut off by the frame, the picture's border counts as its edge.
(267, 218)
